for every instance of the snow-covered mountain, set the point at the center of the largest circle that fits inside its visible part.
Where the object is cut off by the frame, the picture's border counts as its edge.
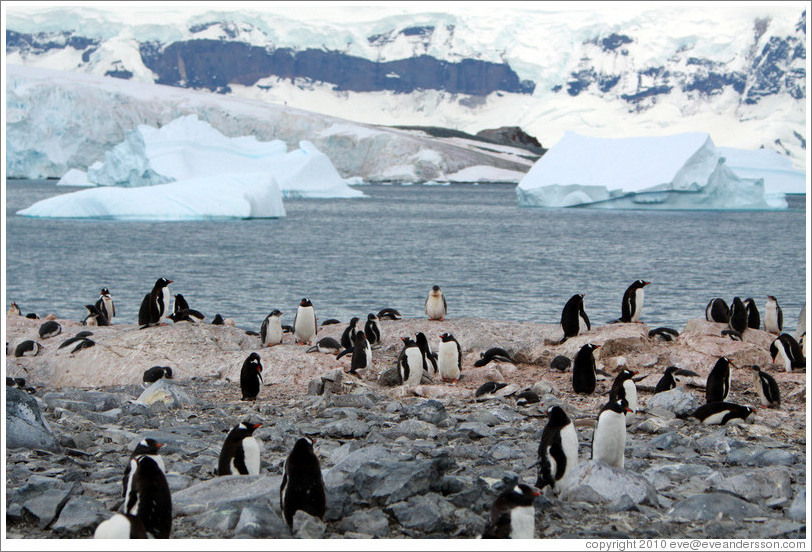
(735, 72)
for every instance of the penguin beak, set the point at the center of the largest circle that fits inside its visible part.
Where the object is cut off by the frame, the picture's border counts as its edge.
(159, 445)
(597, 346)
(646, 283)
(628, 409)
(257, 425)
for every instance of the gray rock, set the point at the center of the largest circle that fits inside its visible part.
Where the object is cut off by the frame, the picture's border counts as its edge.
(222, 519)
(740, 452)
(677, 400)
(706, 507)
(773, 457)
(355, 400)
(166, 392)
(597, 482)
(474, 430)
(306, 526)
(229, 489)
(797, 510)
(669, 441)
(371, 522)
(315, 387)
(45, 506)
(81, 514)
(390, 482)
(25, 427)
(769, 486)
(412, 429)
(426, 513)
(431, 411)
(260, 521)
(346, 428)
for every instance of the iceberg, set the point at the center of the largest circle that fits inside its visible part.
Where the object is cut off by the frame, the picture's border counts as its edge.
(222, 196)
(682, 171)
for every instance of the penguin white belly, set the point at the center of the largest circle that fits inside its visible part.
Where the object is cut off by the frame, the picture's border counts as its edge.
(167, 297)
(250, 448)
(638, 304)
(368, 352)
(771, 320)
(448, 361)
(715, 418)
(117, 527)
(415, 359)
(305, 325)
(787, 360)
(109, 311)
(434, 307)
(760, 390)
(609, 442)
(134, 509)
(569, 444)
(274, 332)
(631, 397)
(523, 522)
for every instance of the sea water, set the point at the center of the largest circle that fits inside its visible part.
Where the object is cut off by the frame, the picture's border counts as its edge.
(492, 258)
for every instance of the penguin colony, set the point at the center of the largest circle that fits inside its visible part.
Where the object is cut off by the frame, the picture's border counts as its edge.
(147, 509)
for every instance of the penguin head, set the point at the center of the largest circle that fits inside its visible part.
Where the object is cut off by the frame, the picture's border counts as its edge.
(304, 446)
(353, 321)
(641, 283)
(162, 282)
(276, 312)
(671, 369)
(147, 446)
(305, 303)
(621, 406)
(435, 289)
(755, 368)
(626, 374)
(408, 342)
(420, 337)
(253, 358)
(446, 337)
(557, 416)
(360, 336)
(247, 427)
(372, 316)
(104, 292)
(773, 351)
(167, 372)
(772, 298)
(522, 495)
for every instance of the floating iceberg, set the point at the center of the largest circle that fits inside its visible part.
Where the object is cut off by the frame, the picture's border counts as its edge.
(223, 196)
(682, 171)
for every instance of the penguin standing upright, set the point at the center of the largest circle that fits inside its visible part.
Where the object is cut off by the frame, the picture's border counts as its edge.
(304, 323)
(766, 387)
(624, 388)
(790, 350)
(302, 483)
(361, 353)
(632, 305)
(717, 311)
(240, 452)
(558, 450)
(436, 307)
(270, 333)
(773, 316)
(573, 317)
(429, 357)
(512, 514)
(14, 310)
(609, 438)
(148, 497)
(449, 358)
(155, 305)
(667, 382)
(105, 305)
(753, 317)
(251, 377)
(738, 316)
(145, 447)
(584, 373)
(94, 317)
(348, 337)
(372, 330)
(410, 362)
(717, 387)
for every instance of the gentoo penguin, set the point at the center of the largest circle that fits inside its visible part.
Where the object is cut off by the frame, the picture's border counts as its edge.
(526, 397)
(429, 357)
(148, 498)
(270, 333)
(584, 376)
(217, 320)
(14, 310)
(348, 336)
(410, 362)
(722, 413)
(74, 339)
(304, 323)
(389, 314)
(561, 363)
(513, 515)
(609, 438)
(17, 383)
(753, 317)
(738, 316)
(94, 317)
(372, 329)
(436, 307)
(327, 345)
(302, 483)
(633, 301)
(558, 450)
(50, 328)
(766, 387)
(361, 353)
(732, 334)
(151, 375)
(187, 315)
(145, 447)
(717, 387)
(663, 334)
(180, 303)
(493, 354)
(449, 358)
(573, 317)
(667, 382)
(773, 316)
(790, 351)
(624, 388)
(27, 348)
(105, 305)
(32, 316)
(251, 377)
(155, 305)
(717, 311)
(121, 526)
(489, 389)
(84, 343)
(330, 322)
(240, 452)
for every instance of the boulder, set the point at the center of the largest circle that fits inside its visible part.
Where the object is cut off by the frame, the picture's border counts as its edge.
(167, 392)
(259, 521)
(229, 489)
(711, 506)
(25, 427)
(599, 483)
(426, 513)
(678, 401)
(81, 514)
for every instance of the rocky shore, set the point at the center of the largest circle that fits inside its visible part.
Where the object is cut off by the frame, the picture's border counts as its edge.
(398, 462)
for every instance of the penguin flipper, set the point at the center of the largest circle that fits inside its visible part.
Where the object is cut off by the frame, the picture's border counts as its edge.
(345, 352)
(586, 318)
(144, 312)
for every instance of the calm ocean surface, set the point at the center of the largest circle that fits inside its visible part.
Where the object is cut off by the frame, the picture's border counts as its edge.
(492, 258)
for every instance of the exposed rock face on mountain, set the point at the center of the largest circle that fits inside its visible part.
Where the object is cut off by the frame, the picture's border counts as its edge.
(512, 136)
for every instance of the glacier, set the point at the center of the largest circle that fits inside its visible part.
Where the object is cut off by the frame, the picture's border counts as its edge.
(222, 196)
(681, 171)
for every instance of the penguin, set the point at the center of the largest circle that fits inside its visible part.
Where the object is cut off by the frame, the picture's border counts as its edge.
(217, 320)
(732, 334)
(512, 514)
(241, 451)
(361, 353)
(584, 377)
(717, 387)
(145, 447)
(494, 353)
(802, 343)
(327, 345)
(429, 357)
(766, 387)
(302, 483)
(151, 375)
(27, 348)
(558, 450)
(148, 497)
(717, 311)
(180, 303)
(155, 305)
(488, 388)
(105, 305)
(251, 377)
(436, 307)
(790, 351)
(14, 310)
(50, 328)
(74, 339)
(663, 334)
(389, 314)
(624, 388)
(526, 397)
(304, 323)
(609, 438)
(410, 362)
(573, 317)
(449, 358)
(773, 316)
(372, 329)
(84, 343)
(120, 526)
(17, 383)
(753, 317)
(348, 336)
(330, 322)
(32, 316)
(632, 305)
(94, 317)
(722, 413)
(270, 333)
(667, 382)
(738, 316)
(187, 315)
(561, 363)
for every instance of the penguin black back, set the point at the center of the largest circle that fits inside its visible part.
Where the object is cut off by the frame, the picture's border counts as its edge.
(722, 413)
(429, 358)
(50, 328)
(632, 301)
(717, 311)
(584, 376)
(494, 353)
(550, 448)
(717, 386)
(251, 377)
(502, 523)
(753, 317)
(573, 316)
(738, 316)
(180, 303)
(618, 391)
(348, 336)
(389, 314)
(767, 388)
(667, 382)
(151, 375)
(233, 450)
(372, 330)
(360, 352)
(302, 483)
(149, 498)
